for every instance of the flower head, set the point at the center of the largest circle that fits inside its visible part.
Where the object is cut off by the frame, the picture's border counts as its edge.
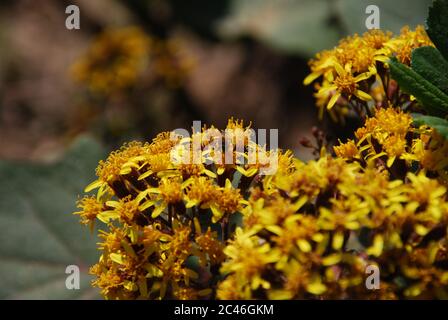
(354, 76)
(114, 61)
(161, 215)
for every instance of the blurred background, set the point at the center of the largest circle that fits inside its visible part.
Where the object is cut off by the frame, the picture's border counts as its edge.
(133, 69)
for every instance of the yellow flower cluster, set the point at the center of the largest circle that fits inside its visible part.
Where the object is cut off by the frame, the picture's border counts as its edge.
(114, 60)
(389, 139)
(119, 57)
(312, 230)
(166, 221)
(355, 76)
(171, 209)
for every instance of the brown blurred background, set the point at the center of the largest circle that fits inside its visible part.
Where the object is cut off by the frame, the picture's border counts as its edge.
(250, 57)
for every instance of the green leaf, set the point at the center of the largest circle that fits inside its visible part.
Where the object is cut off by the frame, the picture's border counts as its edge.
(433, 99)
(438, 124)
(438, 25)
(39, 235)
(292, 26)
(430, 64)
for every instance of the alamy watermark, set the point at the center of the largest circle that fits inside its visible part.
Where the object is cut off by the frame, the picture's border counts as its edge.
(73, 21)
(373, 280)
(235, 146)
(373, 20)
(72, 282)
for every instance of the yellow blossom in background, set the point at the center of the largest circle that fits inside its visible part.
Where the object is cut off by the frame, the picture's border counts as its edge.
(120, 57)
(114, 61)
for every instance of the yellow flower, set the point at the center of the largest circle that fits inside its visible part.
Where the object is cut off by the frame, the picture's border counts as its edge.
(356, 70)
(376, 38)
(125, 209)
(228, 200)
(169, 192)
(347, 150)
(230, 289)
(155, 210)
(431, 150)
(303, 239)
(90, 209)
(114, 61)
(210, 246)
(200, 191)
(402, 45)
(345, 84)
(383, 136)
(110, 171)
(250, 259)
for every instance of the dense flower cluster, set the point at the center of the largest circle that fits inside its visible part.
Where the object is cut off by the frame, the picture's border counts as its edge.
(389, 139)
(308, 231)
(114, 60)
(312, 230)
(355, 76)
(166, 222)
(120, 57)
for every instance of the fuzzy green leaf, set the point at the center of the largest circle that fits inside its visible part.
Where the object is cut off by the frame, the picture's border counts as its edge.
(439, 124)
(430, 64)
(39, 235)
(438, 25)
(432, 98)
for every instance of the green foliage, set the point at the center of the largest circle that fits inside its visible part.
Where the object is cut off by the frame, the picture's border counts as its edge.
(439, 124)
(428, 78)
(430, 64)
(432, 98)
(438, 25)
(39, 235)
